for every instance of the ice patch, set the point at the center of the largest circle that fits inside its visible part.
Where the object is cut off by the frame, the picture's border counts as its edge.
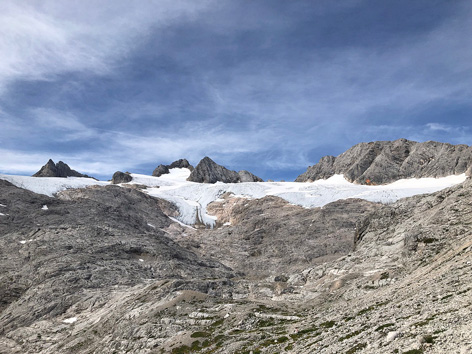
(45, 207)
(3, 206)
(151, 225)
(181, 223)
(70, 320)
(1, 214)
(141, 260)
(23, 242)
(50, 185)
(192, 198)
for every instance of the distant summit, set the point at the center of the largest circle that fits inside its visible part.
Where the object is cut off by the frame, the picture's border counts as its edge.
(208, 171)
(164, 169)
(383, 162)
(61, 169)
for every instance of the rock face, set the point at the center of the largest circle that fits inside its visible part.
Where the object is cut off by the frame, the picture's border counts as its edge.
(121, 177)
(164, 169)
(387, 161)
(208, 171)
(87, 240)
(182, 163)
(160, 170)
(277, 237)
(246, 176)
(50, 169)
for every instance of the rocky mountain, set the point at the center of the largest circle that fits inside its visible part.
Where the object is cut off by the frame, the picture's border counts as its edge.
(382, 162)
(51, 169)
(164, 169)
(208, 171)
(111, 269)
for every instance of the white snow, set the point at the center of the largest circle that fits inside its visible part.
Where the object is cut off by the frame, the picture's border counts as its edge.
(50, 185)
(23, 242)
(45, 207)
(192, 198)
(151, 225)
(141, 260)
(70, 320)
(1, 214)
(3, 206)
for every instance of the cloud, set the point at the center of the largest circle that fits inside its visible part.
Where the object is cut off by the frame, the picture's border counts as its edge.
(42, 39)
(257, 85)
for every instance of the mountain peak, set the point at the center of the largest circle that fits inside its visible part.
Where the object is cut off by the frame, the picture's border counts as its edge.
(61, 169)
(381, 162)
(208, 171)
(164, 169)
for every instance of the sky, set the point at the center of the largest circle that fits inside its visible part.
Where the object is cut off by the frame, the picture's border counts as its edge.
(268, 86)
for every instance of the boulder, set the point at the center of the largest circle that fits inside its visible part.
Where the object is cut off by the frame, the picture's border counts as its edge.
(121, 177)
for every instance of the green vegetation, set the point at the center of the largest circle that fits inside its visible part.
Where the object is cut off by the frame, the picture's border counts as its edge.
(382, 327)
(350, 335)
(357, 347)
(414, 351)
(302, 332)
(428, 338)
(200, 334)
(328, 324)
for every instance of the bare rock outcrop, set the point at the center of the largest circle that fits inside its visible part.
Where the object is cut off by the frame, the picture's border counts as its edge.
(164, 169)
(121, 177)
(383, 162)
(61, 169)
(208, 171)
(84, 241)
(277, 237)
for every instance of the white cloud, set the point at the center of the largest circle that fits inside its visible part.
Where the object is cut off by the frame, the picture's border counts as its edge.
(41, 39)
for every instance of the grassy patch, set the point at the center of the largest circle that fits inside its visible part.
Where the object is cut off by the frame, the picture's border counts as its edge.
(357, 347)
(350, 335)
(303, 332)
(200, 334)
(382, 327)
(328, 324)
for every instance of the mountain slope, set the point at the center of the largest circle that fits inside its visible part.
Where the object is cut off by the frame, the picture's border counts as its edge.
(383, 162)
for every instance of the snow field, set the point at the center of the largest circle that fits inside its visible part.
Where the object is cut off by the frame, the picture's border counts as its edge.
(192, 198)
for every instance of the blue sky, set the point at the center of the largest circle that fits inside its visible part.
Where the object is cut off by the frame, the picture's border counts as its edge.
(263, 85)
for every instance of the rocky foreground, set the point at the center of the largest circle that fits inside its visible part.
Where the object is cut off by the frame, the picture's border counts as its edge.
(106, 269)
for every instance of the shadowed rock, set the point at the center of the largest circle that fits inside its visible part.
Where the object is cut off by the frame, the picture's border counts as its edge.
(50, 169)
(121, 177)
(164, 169)
(160, 170)
(387, 161)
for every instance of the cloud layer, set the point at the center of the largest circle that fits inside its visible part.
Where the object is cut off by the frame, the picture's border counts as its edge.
(268, 86)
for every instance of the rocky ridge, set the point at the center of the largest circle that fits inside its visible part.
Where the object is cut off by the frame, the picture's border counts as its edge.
(208, 171)
(51, 169)
(383, 162)
(164, 169)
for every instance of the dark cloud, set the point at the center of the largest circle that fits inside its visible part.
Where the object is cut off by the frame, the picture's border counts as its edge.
(268, 86)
